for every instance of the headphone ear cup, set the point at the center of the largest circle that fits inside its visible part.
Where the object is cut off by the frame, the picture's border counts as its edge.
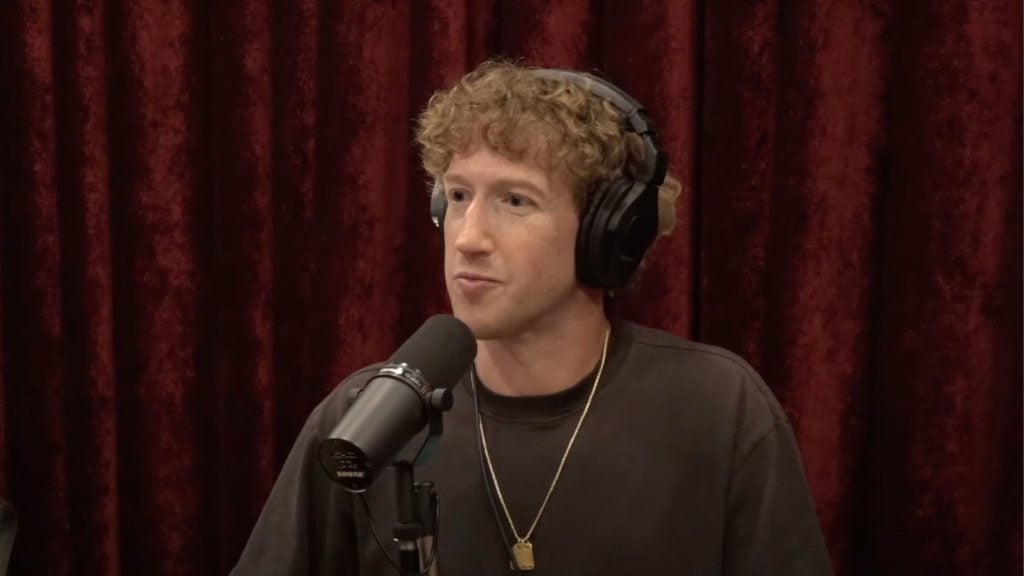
(438, 205)
(619, 225)
(591, 242)
(632, 228)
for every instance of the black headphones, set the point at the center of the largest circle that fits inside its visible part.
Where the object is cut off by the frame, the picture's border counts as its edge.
(620, 221)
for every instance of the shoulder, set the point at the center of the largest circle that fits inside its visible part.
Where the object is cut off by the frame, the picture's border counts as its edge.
(712, 381)
(675, 354)
(671, 348)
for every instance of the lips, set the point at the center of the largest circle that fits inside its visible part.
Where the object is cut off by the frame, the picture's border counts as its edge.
(472, 284)
(474, 277)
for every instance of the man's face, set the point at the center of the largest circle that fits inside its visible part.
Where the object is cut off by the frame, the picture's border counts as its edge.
(510, 243)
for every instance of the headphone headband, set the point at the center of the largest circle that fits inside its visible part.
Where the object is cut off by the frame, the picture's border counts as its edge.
(655, 162)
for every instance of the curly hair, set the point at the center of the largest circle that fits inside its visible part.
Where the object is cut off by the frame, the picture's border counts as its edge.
(543, 120)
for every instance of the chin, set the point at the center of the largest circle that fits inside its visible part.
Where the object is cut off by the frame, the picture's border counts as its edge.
(483, 327)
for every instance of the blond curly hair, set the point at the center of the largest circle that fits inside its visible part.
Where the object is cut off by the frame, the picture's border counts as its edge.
(540, 119)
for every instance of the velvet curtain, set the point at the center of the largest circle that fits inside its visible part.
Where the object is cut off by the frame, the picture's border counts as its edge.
(212, 212)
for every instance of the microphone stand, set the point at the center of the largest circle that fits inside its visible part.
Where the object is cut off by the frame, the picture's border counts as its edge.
(415, 529)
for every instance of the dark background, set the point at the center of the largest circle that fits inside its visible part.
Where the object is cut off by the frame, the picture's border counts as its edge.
(212, 212)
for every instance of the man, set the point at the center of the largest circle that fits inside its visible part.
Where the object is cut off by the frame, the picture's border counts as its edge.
(578, 444)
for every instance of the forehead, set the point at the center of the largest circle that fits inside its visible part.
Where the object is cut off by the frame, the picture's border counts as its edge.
(481, 166)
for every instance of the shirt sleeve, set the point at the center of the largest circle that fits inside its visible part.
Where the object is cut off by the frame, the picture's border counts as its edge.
(772, 527)
(306, 526)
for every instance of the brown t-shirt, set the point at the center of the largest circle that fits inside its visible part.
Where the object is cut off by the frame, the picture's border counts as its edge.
(686, 464)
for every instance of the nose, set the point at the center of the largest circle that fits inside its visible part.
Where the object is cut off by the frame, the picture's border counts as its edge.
(472, 230)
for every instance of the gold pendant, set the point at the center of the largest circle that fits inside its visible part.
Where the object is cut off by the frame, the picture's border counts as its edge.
(522, 554)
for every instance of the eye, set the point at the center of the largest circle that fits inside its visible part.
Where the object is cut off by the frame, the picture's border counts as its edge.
(517, 201)
(456, 195)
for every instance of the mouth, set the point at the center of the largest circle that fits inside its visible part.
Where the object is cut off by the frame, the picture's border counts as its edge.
(472, 284)
(471, 277)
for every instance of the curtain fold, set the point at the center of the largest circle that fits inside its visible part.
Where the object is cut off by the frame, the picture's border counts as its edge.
(211, 213)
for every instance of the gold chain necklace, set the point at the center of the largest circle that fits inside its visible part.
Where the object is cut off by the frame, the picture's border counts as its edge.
(522, 550)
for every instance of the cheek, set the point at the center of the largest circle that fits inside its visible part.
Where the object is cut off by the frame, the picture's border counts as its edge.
(566, 241)
(449, 252)
(554, 254)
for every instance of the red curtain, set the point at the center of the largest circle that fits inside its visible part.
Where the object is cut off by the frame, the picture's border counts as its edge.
(212, 212)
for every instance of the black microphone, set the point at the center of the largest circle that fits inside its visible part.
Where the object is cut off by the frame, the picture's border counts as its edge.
(396, 403)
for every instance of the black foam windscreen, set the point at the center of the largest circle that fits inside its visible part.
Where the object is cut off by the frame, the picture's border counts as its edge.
(440, 350)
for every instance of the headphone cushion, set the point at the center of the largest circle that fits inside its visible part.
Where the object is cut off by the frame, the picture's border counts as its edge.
(438, 205)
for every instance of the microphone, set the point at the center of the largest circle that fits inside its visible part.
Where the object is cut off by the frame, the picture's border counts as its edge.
(397, 403)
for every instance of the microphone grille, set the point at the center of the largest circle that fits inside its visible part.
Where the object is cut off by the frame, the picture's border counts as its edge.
(442, 350)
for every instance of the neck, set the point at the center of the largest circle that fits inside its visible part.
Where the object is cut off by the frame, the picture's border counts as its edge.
(536, 364)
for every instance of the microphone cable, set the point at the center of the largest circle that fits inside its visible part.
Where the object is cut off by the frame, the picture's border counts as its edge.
(384, 551)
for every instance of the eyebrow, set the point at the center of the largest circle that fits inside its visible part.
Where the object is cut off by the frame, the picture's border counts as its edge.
(500, 182)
